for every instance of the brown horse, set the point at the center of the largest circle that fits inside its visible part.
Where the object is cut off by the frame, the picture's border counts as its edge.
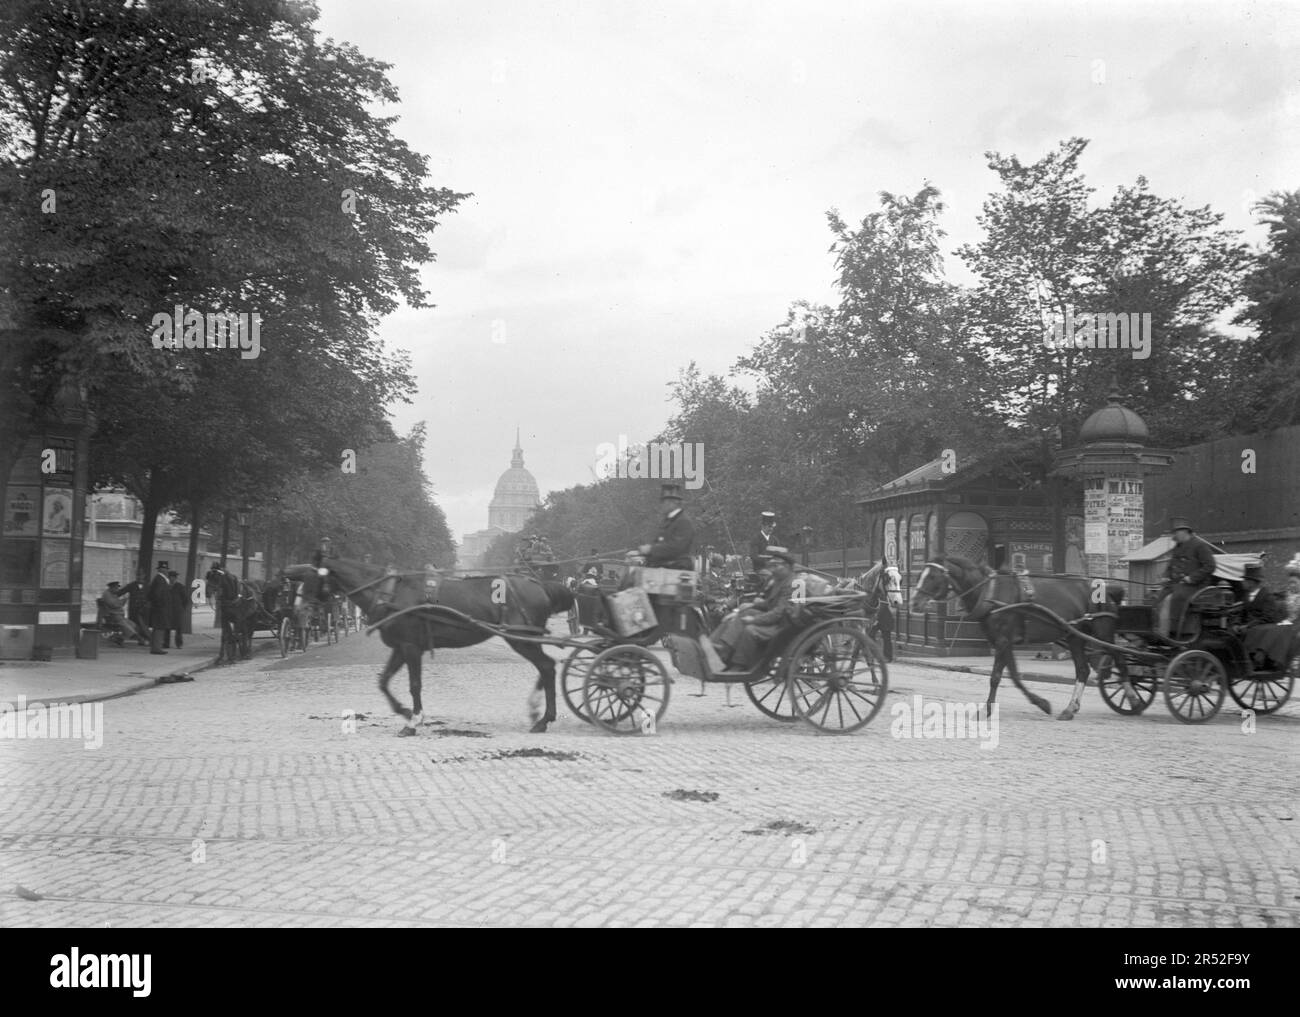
(1087, 604)
(410, 623)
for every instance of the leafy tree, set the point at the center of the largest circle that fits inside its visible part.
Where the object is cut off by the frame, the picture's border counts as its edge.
(223, 158)
(1270, 393)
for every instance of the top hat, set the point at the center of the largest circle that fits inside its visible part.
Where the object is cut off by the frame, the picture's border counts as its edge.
(114, 585)
(163, 565)
(767, 515)
(671, 491)
(1253, 572)
(779, 552)
(1180, 523)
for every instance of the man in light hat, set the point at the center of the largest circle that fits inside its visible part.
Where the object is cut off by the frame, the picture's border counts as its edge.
(672, 545)
(766, 538)
(1191, 568)
(742, 635)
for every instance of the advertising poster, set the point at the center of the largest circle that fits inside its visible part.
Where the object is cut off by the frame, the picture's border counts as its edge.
(58, 512)
(54, 564)
(22, 513)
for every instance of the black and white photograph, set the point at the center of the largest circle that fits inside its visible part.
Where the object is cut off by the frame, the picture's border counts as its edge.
(682, 464)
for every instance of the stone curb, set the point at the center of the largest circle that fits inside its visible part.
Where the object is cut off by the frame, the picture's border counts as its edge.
(144, 682)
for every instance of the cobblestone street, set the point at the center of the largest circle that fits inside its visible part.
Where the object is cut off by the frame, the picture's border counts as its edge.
(240, 800)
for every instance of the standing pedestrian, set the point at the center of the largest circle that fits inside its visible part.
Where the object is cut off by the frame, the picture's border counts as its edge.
(135, 603)
(160, 609)
(180, 604)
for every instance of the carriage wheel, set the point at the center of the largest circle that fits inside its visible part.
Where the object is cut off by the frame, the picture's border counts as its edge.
(282, 637)
(573, 672)
(1194, 686)
(331, 630)
(1111, 674)
(625, 690)
(836, 678)
(1264, 691)
(771, 693)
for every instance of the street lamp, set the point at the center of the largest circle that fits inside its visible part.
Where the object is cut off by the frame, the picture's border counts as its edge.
(807, 541)
(245, 516)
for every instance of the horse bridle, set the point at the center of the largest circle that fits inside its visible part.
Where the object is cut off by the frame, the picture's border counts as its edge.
(949, 583)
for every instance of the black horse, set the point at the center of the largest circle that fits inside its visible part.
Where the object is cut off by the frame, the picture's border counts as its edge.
(392, 601)
(1088, 604)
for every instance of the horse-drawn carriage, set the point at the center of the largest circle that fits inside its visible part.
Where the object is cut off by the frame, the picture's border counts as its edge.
(1208, 657)
(822, 668)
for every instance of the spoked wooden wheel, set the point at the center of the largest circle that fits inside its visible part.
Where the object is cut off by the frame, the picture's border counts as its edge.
(836, 678)
(1112, 672)
(1264, 691)
(625, 690)
(1194, 686)
(573, 673)
(771, 693)
(285, 635)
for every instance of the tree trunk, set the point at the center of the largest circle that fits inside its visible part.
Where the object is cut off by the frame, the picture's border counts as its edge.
(192, 562)
(152, 505)
(225, 537)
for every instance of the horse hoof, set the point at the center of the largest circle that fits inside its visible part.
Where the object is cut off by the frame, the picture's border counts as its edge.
(1065, 715)
(1045, 706)
(406, 732)
(539, 727)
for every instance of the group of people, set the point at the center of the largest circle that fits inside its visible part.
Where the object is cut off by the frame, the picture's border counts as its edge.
(742, 634)
(149, 612)
(1268, 623)
(534, 548)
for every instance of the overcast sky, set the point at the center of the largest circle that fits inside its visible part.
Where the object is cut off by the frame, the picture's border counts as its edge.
(650, 181)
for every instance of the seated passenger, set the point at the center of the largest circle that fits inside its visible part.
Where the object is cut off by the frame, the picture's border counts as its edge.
(1269, 636)
(113, 604)
(742, 634)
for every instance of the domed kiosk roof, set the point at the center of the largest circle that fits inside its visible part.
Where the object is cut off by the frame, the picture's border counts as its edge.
(1114, 423)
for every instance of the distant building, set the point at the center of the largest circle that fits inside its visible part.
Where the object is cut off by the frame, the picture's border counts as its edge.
(514, 501)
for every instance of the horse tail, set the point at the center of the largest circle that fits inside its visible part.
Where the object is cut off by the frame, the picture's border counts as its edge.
(560, 599)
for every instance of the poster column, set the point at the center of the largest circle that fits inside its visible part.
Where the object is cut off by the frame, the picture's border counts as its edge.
(1096, 527)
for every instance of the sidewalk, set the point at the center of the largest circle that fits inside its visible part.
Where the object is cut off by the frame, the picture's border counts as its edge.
(1058, 672)
(118, 671)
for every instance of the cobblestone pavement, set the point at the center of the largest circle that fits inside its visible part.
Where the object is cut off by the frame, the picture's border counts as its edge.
(239, 800)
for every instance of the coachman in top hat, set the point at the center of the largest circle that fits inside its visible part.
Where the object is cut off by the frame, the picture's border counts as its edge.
(672, 545)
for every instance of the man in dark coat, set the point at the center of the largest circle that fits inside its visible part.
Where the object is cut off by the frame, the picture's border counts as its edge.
(160, 608)
(1267, 643)
(766, 538)
(134, 591)
(742, 635)
(180, 603)
(671, 548)
(1191, 568)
